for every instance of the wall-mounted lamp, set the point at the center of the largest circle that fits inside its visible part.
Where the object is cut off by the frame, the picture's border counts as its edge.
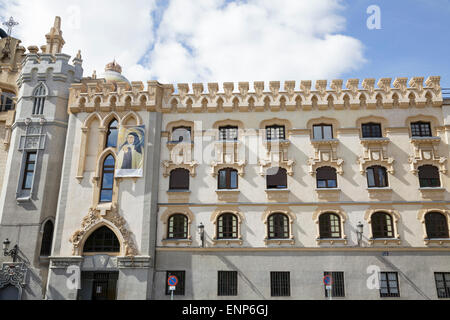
(10, 253)
(359, 232)
(201, 232)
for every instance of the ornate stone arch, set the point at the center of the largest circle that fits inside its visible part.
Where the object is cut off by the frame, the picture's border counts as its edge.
(85, 130)
(421, 217)
(342, 217)
(129, 115)
(287, 212)
(114, 221)
(108, 118)
(374, 119)
(395, 215)
(240, 217)
(165, 216)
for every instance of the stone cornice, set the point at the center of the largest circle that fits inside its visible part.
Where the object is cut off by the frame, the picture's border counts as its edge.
(93, 94)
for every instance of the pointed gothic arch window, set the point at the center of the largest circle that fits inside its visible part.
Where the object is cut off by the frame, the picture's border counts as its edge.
(113, 131)
(106, 191)
(47, 238)
(102, 240)
(39, 95)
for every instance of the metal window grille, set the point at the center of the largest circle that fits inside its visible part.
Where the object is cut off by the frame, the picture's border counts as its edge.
(227, 283)
(179, 291)
(280, 284)
(228, 133)
(102, 240)
(442, 284)
(338, 285)
(275, 133)
(389, 284)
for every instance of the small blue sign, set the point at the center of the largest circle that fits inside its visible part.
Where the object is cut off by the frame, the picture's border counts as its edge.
(328, 280)
(172, 281)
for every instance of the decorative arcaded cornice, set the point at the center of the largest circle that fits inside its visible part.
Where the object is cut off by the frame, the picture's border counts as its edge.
(92, 94)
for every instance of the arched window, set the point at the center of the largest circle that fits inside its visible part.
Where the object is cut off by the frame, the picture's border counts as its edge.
(329, 226)
(102, 240)
(377, 177)
(113, 131)
(181, 134)
(228, 179)
(436, 225)
(382, 225)
(179, 179)
(106, 191)
(227, 226)
(326, 177)
(177, 227)
(39, 95)
(276, 178)
(278, 226)
(47, 238)
(6, 101)
(429, 177)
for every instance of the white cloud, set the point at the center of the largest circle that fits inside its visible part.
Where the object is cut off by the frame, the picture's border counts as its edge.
(201, 40)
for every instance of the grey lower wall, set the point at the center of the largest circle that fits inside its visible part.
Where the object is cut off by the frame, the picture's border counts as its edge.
(415, 272)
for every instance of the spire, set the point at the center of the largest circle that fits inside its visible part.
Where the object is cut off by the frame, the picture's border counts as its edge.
(55, 41)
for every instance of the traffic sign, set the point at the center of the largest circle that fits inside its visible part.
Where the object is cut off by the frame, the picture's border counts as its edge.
(172, 281)
(328, 281)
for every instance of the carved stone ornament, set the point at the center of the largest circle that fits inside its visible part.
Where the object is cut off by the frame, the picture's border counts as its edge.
(96, 218)
(13, 274)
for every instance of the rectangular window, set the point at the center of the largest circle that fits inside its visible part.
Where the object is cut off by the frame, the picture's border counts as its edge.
(323, 132)
(371, 130)
(227, 283)
(338, 286)
(228, 179)
(389, 284)
(421, 129)
(228, 133)
(442, 284)
(180, 286)
(28, 173)
(280, 284)
(275, 133)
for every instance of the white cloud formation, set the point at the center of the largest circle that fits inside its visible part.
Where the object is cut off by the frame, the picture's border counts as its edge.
(201, 40)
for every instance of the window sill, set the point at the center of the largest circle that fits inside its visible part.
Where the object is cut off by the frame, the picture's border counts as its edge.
(228, 194)
(440, 241)
(328, 193)
(381, 140)
(290, 241)
(278, 194)
(318, 142)
(228, 241)
(385, 241)
(383, 193)
(23, 199)
(332, 241)
(178, 195)
(177, 241)
(433, 193)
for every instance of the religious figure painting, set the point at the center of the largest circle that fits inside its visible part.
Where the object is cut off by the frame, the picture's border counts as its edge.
(130, 152)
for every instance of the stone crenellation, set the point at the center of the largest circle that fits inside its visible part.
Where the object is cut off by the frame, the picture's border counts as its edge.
(97, 95)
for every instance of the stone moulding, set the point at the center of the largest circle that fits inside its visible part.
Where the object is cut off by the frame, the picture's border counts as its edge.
(13, 274)
(111, 219)
(92, 94)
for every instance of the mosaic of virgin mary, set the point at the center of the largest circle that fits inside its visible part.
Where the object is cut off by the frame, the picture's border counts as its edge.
(130, 152)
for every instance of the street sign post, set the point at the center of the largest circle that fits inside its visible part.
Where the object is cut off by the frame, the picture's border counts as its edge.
(172, 281)
(328, 282)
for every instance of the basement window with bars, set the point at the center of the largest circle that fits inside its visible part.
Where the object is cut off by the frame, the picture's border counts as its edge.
(389, 285)
(338, 286)
(227, 283)
(280, 284)
(442, 284)
(179, 291)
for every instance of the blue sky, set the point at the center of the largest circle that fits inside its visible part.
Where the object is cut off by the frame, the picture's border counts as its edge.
(253, 40)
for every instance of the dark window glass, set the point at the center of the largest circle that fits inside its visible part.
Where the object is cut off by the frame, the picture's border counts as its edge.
(177, 227)
(323, 132)
(39, 99)
(228, 179)
(276, 178)
(113, 131)
(106, 190)
(275, 133)
(280, 284)
(389, 284)
(421, 129)
(330, 226)
(227, 226)
(227, 283)
(442, 284)
(436, 225)
(338, 286)
(371, 130)
(102, 240)
(228, 133)
(181, 134)
(28, 173)
(377, 177)
(6, 101)
(179, 179)
(326, 177)
(47, 238)
(278, 226)
(181, 282)
(429, 177)
(382, 225)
